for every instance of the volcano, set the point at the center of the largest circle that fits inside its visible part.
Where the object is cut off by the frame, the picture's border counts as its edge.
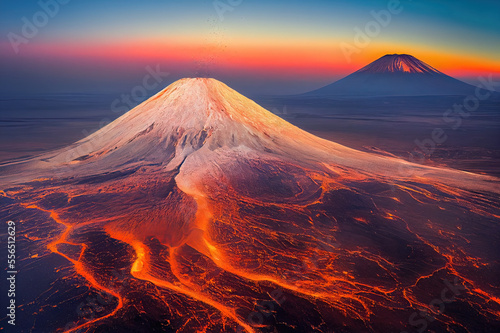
(200, 211)
(396, 75)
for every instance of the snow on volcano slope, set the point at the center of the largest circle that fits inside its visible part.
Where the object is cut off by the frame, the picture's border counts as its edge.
(202, 123)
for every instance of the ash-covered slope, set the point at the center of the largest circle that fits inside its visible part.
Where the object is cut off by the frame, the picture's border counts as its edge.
(396, 75)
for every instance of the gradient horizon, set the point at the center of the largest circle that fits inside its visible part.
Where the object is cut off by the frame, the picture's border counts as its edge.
(257, 46)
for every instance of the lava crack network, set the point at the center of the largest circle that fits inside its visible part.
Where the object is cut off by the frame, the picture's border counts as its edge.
(200, 211)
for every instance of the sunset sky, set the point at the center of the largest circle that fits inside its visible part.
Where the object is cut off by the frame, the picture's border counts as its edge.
(256, 46)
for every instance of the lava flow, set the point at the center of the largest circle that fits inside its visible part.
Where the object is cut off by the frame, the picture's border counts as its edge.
(200, 211)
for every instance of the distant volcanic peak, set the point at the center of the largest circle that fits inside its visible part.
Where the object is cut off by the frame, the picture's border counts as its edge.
(399, 63)
(396, 75)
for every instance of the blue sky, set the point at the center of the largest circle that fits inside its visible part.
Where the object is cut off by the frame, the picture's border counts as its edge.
(261, 45)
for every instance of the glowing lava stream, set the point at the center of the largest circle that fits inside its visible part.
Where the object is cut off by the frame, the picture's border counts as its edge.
(197, 239)
(79, 267)
(140, 272)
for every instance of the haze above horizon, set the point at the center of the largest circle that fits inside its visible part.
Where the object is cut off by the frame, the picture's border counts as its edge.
(254, 46)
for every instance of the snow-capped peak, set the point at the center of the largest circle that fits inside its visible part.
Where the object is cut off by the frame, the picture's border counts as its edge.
(399, 63)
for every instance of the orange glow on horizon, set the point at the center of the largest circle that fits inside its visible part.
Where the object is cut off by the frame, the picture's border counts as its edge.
(315, 58)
